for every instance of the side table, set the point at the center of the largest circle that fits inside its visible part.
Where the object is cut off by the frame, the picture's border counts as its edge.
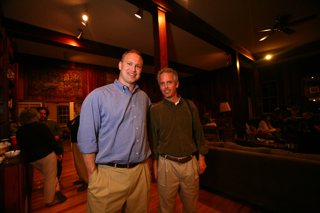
(227, 134)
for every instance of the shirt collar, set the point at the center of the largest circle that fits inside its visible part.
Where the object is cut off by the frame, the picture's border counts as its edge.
(167, 102)
(123, 88)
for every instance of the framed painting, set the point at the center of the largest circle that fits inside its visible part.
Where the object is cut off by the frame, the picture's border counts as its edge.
(314, 89)
(60, 82)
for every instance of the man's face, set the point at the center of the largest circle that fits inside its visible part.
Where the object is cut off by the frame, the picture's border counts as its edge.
(130, 69)
(77, 109)
(168, 86)
(43, 114)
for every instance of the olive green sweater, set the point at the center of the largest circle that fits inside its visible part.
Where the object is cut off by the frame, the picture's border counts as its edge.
(171, 129)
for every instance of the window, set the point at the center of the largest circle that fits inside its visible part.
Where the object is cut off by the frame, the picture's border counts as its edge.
(269, 96)
(63, 114)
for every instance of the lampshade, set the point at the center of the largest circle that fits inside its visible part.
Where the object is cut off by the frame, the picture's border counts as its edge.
(224, 107)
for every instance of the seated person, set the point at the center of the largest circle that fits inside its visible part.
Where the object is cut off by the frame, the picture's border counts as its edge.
(295, 113)
(207, 120)
(281, 116)
(266, 129)
(305, 126)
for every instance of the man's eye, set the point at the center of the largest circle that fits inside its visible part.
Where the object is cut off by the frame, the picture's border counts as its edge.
(129, 63)
(138, 66)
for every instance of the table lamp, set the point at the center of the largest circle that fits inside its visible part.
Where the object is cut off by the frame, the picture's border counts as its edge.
(224, 108)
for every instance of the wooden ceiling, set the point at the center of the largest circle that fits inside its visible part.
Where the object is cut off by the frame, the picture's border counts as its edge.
(200, 33)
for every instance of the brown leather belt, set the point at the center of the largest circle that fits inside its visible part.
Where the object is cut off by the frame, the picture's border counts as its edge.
(117, 165)
(179, 160)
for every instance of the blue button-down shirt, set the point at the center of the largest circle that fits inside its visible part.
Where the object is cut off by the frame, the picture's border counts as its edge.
(113, 124)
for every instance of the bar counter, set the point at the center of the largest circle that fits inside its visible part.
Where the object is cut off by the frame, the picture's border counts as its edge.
(15, 184)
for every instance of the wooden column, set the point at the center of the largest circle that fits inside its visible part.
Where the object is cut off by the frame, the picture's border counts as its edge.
(239, 105)
(257, 108)
(160, 45)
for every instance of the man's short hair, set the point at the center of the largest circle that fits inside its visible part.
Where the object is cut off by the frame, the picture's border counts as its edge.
(168, 70)
(78, 103)
(29, 116)
(44, 108)
(131, 51)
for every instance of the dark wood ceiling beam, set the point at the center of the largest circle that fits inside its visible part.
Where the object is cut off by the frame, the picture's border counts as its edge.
(33, 33)
(184, 19)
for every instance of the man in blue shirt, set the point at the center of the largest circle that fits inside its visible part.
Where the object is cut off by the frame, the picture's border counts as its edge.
(113, 140)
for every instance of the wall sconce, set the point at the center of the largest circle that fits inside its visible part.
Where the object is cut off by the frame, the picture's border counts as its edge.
(79, 36)
(139, 13)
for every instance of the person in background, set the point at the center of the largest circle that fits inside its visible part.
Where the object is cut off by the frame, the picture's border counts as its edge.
(55, 129)
(295, 113)
(113, 139)
(176, 136)
(281, 116)
(73, 125)
(42, 152)
(207, 120)
(266, 126)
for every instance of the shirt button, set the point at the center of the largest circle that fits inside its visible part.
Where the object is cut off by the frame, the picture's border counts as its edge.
(137, 128)
(137, 140)
(132, 104)
(134, 116)
(137, 153)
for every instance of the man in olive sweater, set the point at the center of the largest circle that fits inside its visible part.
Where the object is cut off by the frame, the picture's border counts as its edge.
(176, 136)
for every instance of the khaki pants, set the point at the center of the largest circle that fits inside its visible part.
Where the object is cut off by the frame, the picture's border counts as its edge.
(79, 163)
(174, 177)
(48, 167)
(111, 189)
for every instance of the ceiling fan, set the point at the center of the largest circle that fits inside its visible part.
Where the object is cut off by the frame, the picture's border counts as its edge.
(282, 25)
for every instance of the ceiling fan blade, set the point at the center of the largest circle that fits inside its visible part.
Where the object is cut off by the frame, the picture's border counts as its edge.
(264, 38)
(283, 19)
(302, 20)
(266, 30)
(267, 36)
(287, 30)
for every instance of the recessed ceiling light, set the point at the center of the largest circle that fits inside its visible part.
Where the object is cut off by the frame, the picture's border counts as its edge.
(268, 57)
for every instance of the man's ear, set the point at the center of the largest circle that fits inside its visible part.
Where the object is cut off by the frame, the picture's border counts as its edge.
(177, 84)
(120, 65)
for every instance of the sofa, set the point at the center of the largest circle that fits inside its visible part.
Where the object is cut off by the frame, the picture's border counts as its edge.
(278, 180)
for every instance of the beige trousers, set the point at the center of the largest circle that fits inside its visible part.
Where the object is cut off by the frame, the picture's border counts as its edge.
(48, 167)
(113, 189)
(174, 177)
(79, 163)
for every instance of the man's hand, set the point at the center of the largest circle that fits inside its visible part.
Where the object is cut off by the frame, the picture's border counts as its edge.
(59, 157)
(202, 164)
(155, 169)
(57, 138)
